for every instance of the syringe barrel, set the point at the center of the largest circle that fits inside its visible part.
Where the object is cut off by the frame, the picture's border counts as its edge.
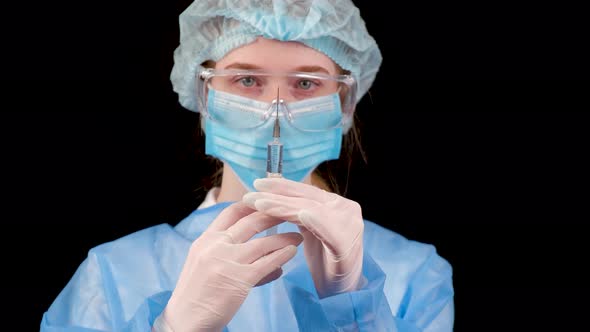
(274, 160)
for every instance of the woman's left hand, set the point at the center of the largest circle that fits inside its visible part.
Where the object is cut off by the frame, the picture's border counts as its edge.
(331, 225)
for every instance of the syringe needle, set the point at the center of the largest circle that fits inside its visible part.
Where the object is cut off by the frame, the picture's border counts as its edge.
(274, 162)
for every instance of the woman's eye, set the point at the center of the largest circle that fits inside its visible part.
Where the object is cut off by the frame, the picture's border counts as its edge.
(305, 84)
(247, 81)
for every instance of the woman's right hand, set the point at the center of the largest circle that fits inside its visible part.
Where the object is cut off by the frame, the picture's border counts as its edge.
(222, 266)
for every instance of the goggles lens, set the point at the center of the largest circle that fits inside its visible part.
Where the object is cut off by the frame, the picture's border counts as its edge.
(247, 99)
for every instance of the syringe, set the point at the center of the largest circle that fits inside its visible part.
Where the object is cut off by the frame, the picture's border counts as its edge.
(274, 160)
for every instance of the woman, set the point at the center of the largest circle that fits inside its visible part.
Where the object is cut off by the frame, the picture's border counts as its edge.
(247, 67)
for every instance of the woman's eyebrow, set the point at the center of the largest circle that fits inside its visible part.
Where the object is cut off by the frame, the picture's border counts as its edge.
(241, 65)
(312, 69)
(249, 66)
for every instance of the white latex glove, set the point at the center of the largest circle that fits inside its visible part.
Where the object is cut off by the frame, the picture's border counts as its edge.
(222, 266)
(332, 227)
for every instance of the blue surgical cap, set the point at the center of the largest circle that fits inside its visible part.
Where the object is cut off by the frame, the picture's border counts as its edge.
(209, 29)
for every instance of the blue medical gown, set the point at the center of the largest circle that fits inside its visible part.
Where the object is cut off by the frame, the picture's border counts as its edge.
(125, 284)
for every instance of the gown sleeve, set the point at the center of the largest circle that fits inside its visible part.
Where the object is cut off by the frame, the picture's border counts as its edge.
(427, 304)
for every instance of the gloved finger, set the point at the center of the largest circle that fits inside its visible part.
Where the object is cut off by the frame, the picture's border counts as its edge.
(229, 216)
(278, 209)
(283, 207)
(265, 265)
(303, 202)
(255, 249)
(250, 225)
(274, 275)
(286, 187)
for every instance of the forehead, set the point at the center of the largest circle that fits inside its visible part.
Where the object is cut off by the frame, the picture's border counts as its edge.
(277, 55)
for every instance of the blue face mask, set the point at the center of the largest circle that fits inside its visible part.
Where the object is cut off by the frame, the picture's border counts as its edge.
(245, 150)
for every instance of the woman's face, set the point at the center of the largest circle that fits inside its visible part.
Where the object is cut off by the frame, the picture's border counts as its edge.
(278, 56)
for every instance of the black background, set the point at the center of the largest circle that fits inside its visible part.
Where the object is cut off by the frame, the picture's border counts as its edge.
(476, 132)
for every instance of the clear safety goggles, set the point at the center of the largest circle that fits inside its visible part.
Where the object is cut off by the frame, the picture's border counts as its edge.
(309, 101)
